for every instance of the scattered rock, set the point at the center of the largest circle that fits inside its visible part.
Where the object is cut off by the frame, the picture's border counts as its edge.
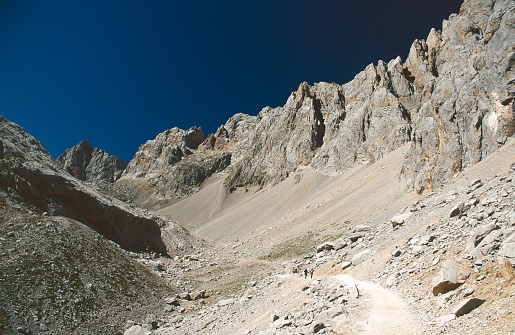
(340, 244)
(474, 186)
(172, 301)
(354, 237)
(280, 323)
(481, 232)
(396, 252)
(507, 249)
(467, 306)
(469, 290)
(361, 228)
(448, 279)
(137, 330)
(361, 256)
(458, 210)
(445, 319)
(391, 280)
(426, 239)
(130, 323)
(325, 246)
(226, 302)
(185, 296)
(318, 327)
(345, 264)
(490, 243)
(511, 219)
(399, 220)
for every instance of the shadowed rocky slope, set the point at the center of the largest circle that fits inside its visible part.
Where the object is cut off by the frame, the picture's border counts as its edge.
(31, 175)
(58, 276)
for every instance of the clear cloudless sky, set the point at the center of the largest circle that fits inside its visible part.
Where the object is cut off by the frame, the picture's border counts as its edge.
(118, 72)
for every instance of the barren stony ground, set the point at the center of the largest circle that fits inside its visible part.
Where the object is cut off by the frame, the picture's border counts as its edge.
(248, 278)
(58, 276)
(374, 273)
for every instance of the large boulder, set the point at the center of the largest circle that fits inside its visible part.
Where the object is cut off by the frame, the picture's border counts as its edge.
(325, 246)
(399, 219)
(449, 278)
(361, 256)
(491, 243)
(507, 249)
(467, 306)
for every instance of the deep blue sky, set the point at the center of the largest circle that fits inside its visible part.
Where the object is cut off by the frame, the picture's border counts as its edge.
(117, 73)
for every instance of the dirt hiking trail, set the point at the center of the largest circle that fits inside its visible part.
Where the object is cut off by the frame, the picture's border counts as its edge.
(387, 312)
(372, 309)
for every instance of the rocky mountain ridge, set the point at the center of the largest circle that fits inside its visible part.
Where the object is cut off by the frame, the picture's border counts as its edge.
(452, 100)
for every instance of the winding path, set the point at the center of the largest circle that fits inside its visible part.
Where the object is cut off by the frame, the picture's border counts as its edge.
(387, 311)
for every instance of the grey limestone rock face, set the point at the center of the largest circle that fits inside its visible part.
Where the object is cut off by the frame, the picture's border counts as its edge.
(465, 76)
(87, 163)
(370, 121)
(283, 139)
(329, 127)
(187, 176)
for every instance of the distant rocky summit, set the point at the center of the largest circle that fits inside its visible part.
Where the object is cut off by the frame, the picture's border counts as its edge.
(92, 164)
(172, 165)
(167, 149)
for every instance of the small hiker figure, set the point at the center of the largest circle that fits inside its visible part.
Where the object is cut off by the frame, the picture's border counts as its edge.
(311, 271)
(305, 273)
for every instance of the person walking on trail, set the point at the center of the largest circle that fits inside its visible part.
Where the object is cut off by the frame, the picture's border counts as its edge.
(305, 273)
(311, 271)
